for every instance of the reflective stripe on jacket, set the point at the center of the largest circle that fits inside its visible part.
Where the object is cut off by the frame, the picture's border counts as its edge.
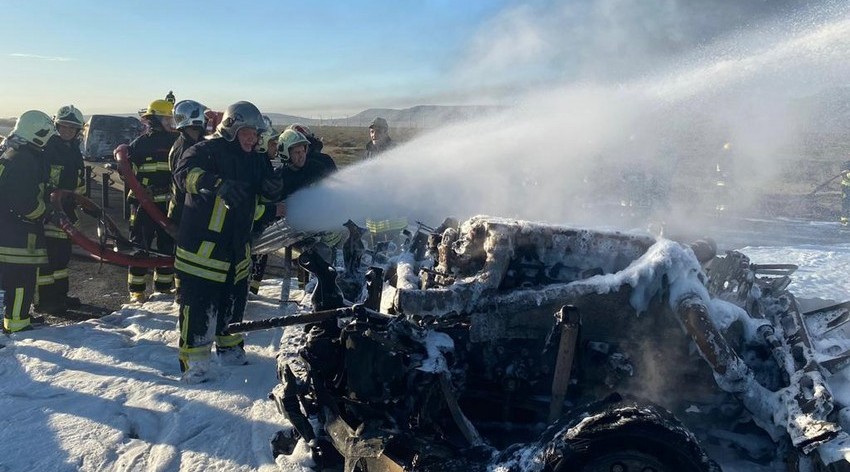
(22, 180)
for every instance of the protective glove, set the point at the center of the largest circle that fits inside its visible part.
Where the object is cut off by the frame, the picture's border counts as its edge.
(233, 192)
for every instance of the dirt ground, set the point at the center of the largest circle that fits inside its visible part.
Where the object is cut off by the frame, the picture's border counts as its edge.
(98, 283)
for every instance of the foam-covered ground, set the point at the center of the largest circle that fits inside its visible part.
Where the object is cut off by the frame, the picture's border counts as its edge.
(104, 394)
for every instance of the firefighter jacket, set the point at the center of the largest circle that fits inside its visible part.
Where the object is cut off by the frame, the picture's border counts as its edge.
(214, 239)
(265, 213)
(315, 169)
(373, 149)
(66, 171)
(296, 179)
(149, 156)
(22, 206)
(175, 207)
(315, 153)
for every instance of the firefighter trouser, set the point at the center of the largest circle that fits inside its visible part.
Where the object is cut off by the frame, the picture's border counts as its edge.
(53, 278)
(143, 231)
(203, 301)
(18, 282)
(258, 270)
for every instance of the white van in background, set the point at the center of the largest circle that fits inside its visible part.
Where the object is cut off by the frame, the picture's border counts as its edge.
(103, 133)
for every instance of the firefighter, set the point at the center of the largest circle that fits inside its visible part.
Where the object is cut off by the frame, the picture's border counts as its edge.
(64, 162)
(266, 213)
(299, 172)
(22, 212)
(724, 179)
(379, 138)
(314, 152)
(222, 178)
(149, 155)
(845, 193)
(380, 141)
(191, 121)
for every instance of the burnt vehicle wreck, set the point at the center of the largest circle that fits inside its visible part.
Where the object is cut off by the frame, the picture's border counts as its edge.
(514, 346)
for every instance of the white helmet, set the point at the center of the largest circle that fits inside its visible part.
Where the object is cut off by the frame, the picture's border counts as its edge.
(240, 115)
(189, 113)
(288, 139)
(69, 116)
(34, 127)
(264, 139)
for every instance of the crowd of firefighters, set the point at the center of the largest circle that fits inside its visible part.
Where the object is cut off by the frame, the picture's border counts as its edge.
(218, 189)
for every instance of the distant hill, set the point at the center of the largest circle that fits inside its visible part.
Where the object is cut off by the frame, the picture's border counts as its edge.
(422, 116)
(825, 122)
(827, 111)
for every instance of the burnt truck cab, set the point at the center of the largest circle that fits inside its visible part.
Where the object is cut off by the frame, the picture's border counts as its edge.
(508, 345)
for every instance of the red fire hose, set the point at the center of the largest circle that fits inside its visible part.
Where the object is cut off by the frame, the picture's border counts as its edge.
(125, 168)
(100, 250)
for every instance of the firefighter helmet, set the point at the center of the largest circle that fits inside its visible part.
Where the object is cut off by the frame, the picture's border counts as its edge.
(69, 116)
(264, 139)
(159, 108)
(34, 127)
(189, 113)
(288, 139)
(303, 129)
(240, 115)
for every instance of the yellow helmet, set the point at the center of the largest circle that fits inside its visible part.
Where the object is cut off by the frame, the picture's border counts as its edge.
(159, 108)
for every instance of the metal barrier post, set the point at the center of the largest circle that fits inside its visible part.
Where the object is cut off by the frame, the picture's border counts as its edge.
(88, 181)
(104, 187)
(126, 203)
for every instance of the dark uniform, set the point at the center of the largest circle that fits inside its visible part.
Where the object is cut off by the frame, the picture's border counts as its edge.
(315, 169)
(315, 153)
(175, 206)
(383, 230)
(264, 215)
(22, 249)
(149, 156)
(64, 162)
(213, 255)
(373, 149)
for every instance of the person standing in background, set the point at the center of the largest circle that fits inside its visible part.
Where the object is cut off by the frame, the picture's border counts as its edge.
(379, 138)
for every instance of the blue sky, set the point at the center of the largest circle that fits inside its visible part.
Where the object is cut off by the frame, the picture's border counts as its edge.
(316, 57)
(323, 58)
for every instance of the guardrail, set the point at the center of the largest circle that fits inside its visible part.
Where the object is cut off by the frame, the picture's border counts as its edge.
(104, 177)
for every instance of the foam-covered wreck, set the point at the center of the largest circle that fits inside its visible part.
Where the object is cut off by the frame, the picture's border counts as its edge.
(507, 345)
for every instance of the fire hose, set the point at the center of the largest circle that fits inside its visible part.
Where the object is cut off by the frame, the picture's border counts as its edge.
(101, 250)
(125, 168)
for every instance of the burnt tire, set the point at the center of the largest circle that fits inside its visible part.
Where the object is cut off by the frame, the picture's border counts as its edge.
(627, 437)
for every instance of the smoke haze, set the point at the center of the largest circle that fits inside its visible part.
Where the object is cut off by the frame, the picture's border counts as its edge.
(643, 96)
